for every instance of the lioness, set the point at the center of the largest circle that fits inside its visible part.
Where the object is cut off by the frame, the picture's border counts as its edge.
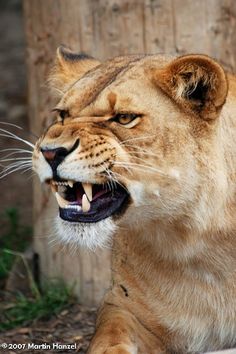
(143, 152)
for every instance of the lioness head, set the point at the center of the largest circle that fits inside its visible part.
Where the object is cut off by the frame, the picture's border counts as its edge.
(134, 142)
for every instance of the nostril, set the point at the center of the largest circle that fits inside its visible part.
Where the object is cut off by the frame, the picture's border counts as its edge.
(54, 156)
(48, 154)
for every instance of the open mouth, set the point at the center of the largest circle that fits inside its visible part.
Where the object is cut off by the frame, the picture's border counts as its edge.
(87, 202)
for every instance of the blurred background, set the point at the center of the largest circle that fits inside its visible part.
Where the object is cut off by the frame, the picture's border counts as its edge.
(16, 189)
(13, 100)
(31, 30)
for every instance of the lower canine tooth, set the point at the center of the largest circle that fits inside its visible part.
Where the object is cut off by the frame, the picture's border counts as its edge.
(61, 201)
(88, 190)
(85, 203)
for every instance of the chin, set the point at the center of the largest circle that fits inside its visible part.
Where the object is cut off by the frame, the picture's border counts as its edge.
(88, 235)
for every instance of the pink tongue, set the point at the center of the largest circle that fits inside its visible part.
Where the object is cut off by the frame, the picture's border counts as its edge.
(98, 194)
(98, 191)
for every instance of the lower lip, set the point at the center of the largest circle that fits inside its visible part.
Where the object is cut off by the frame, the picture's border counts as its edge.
(110, 204)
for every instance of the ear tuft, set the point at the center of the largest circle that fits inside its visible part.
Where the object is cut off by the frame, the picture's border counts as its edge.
(69, 67)
(197, 83)
(64, 53)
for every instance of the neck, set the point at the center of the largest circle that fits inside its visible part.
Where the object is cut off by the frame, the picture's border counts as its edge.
(179, 245)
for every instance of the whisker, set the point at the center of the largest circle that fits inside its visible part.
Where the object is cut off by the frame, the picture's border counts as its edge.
(18, 139)
(138, 149)
(143, 151)
(117, 181)
(108, 172)
(16, 158)
(13, 169)
(14, 136)
(138, 138)
(140, 159)
(26, 170)
(13, 165)
(17, 162)
(11, 124)
(31, 176)
(18, 127)
(16, 151)
(112, 178)
(143, 167)
(134, 153)
(9, 172)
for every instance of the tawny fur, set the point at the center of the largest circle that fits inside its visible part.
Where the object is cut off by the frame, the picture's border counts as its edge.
(174, 249)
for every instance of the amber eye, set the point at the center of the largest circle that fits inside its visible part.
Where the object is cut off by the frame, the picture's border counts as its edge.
(125, 118)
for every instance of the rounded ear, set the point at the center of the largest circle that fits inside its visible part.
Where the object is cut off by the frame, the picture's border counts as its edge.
(68, 68)
(196, 82)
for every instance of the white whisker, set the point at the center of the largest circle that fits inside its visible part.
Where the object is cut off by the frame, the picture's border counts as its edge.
(16, 151)
(18, 163)
(9, 172)
(141, 150)
(12, 125)
(16, 159)
(140, 159)
(13, 166)
(117, 181)
(26, 170)
(18, 127)
(8, 134)
(138, 138)
(137, 166)
(31, 176)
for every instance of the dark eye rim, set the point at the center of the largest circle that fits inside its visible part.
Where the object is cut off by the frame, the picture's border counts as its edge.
(120, 115)
(63, 113)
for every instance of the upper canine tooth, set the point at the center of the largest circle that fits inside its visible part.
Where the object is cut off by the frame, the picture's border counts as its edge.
(85, 203)
(88, 190)
(70, 184)
(61, 201)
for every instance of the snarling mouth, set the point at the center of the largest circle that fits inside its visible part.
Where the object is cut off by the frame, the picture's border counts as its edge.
(87, 202)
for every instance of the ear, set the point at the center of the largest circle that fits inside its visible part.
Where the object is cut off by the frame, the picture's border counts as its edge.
(197, 83)
(69, 67)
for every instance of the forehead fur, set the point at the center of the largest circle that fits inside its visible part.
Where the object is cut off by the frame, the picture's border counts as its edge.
(85, 90)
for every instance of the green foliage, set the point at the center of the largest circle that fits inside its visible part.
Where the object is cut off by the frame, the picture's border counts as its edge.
(16, 237)
(55, 296)
(22, 310)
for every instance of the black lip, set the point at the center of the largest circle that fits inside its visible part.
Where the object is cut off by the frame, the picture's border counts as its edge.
(111, 203)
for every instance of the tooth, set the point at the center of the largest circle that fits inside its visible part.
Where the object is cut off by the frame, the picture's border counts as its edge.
(70, 183)
(88, 190)
(54, 187)
(85, 203)
(76, 207)
(61, 201)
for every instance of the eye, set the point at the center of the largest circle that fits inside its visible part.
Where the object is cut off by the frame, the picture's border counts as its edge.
(62, 115)
(126, 118)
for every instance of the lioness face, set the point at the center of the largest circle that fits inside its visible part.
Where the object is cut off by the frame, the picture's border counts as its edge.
(131, 141)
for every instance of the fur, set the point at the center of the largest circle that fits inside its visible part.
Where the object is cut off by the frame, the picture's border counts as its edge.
(173, 250)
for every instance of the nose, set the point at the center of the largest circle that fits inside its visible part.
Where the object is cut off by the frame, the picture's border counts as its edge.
(54, 156)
